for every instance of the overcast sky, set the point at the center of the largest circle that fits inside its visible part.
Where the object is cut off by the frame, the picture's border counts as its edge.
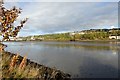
(55, 17)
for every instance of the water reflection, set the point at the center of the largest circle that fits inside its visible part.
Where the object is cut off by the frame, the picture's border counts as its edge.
(81, 59)
(115, 52)
(94, 68)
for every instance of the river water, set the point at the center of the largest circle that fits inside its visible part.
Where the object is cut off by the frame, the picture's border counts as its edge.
(80, 59)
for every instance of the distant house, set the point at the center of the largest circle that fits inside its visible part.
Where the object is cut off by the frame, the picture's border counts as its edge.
(41, 38)
(32, 38)
(81, 32)
(77, 32)
(19, 39)
(72, 33)
(16, 39)
(12, 39)
(114, 37)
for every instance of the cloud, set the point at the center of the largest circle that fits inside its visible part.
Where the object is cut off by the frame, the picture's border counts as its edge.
(61, 0)
(47, 17)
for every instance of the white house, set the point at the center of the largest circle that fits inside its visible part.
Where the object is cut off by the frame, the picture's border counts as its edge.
(114, 37)
(72, 33)
(81, 33)
(32, 38)
(19, 39)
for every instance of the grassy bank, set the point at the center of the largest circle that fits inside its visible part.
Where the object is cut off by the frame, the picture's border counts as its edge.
(15, 66)
(109, 40)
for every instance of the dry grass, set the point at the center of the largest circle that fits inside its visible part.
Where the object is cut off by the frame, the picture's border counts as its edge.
(23, 63)
(13, 62)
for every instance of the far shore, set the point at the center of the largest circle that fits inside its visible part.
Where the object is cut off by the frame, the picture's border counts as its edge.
(64, 41)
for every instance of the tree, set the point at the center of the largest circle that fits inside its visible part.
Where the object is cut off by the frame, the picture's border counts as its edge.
(7, 20)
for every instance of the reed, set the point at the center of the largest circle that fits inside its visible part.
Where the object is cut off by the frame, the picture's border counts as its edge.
(13, 62)
(15, 66)
(23, 63)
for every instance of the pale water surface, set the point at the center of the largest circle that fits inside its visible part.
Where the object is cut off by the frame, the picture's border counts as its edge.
(80, 59)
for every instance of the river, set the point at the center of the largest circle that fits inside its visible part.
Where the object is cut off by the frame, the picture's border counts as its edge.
(90, 59)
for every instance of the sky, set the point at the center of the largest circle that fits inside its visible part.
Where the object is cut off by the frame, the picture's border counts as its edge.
(55, 16)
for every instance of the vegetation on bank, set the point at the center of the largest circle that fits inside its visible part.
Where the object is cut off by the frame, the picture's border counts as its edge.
(102, 34)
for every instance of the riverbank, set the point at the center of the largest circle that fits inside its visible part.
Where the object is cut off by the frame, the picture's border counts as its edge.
(16, 66)
(67, 41)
